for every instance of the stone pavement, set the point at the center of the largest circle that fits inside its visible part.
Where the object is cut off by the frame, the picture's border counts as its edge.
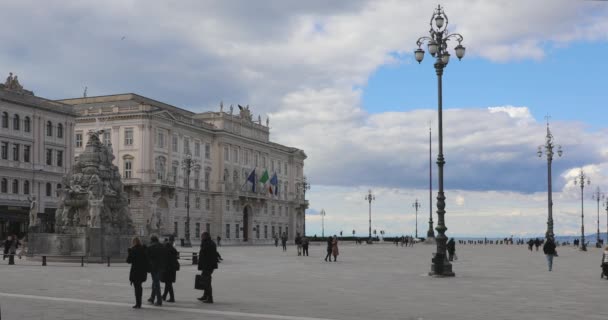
(367, 282)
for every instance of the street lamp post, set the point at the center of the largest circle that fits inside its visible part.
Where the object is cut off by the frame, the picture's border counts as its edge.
(598, 196)
(606, 206)
(581, 179)
(322, 223)
(430, 234)
(416, 206)
(549, 145)
(438, 48)
(188, 164)
(370, 197)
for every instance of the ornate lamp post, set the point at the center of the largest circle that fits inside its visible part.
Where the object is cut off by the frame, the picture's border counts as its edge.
(188, 164)
(438, 48)
(416, 206)
(581, 179)
(370, 197)
(322, 223)
(430, 234)
(606, 206)
(549, 145)
(598, 196)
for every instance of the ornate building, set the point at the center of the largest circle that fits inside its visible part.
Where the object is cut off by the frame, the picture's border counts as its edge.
(151, 141)
(36, 151)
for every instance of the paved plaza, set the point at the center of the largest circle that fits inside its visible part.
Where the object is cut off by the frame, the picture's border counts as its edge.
(368, 282)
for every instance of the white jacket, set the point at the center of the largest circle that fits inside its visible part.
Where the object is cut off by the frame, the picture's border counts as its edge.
(605, 257)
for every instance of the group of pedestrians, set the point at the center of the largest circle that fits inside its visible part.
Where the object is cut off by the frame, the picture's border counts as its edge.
(161, 260)
(11, 244)
(332, 248)
(302, 243)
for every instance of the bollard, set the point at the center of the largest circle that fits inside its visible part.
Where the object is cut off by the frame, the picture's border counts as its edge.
(194, 258)
(82, 261)
(44, 260)
(108, 261)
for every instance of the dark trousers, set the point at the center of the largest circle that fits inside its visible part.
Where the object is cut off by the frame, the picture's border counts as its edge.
(328, 255)
(451, 256)
(305, 250)
(138, 293)
(209, 290)
(11, 258)
(155, 287)
(284, 246)
(169, 291)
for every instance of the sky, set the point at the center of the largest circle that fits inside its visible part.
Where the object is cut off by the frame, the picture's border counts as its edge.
(338, 79)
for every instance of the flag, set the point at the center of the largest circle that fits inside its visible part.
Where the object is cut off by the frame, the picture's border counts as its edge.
(251, 179)
(264, 177)
(274, 182)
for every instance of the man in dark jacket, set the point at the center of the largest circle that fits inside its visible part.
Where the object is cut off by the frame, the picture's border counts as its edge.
(207, 263)
(157, 256)
(170, 273)
(451, 247)
(330, 245)
(549, 250)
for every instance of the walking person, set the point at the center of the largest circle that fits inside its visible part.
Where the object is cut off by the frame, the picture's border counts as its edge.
(138, 260)
(219, 241)
(298, 241)
(157, 257)
(284, 241)
(305, 243)
(334, 248)
(10, 248)
(451, 247)
(549, 250)
(605, 263)
(207, 263)
(276, 240)
(170, 273)
(329, 248)
(537, 243)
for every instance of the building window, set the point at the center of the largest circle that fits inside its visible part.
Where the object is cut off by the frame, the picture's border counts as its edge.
(15, 152)
(272, 230)
(207, 151)
(79, 140)
(207, 203)
(265, 232)
(264, 161)
(175, 231)
(5, 120)
(226, 154)
(4, 185)
(26, 124)
(197, 202)
(128, 136)
(227, 205)
(59, 130)
(197, 178)
(160, 168)
(59, 158)
(280, 211)
(237, 231)
(26, 153)
(280, 231)
(227, 231)
(208, 228)
(207, 174)
(256, 157)
(4, 150)
(49, 129)
(128, 168)
(174, 143)
(197, 230)
(246, 157)
(176, 200)
(235, 155)
(16, 122)
(197, 149)
(186, 146)
(272, 210)
(48, 189)
(26, 187)
(160, 139)
(15, 186)
(49, 157)
(107, 137)
(174, 171)
(279, 165)
(285, 171)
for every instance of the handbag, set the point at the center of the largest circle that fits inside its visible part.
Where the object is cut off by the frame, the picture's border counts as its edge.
(201, 282)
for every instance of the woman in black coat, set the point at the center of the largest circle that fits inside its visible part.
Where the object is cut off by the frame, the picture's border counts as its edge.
(170, 273)
(207, 262)
(139, 269)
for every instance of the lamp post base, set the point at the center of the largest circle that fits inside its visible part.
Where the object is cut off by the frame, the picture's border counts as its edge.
(187, 243)
(441, 267)
(430, 240)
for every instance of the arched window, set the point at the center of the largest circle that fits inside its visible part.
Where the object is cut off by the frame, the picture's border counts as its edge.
(160, 168)
(4, 185)
(26, 124)
(49, 129)
(48, 189)
(15, 186)
(16, 122)
(59, 130)
(26, 187)
(4, 119)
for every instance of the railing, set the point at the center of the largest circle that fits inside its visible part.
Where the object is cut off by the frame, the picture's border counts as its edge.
(107, 260)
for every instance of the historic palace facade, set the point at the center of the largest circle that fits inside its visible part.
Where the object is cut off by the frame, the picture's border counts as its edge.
(36, 151)
(152, 140)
